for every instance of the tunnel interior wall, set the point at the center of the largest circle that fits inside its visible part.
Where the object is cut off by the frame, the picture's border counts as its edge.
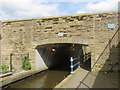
(57, 56)
(40, 64)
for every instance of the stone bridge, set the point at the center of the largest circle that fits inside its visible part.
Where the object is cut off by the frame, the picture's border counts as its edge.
(91, 30)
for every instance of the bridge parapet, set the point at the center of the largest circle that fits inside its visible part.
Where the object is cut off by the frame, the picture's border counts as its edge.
(22, 36)
(0, 39)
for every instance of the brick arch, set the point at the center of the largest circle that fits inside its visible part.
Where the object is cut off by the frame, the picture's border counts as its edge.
(41, 60)
(62, 40)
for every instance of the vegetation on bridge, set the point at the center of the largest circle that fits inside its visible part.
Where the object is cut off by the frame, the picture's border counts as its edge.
(26, 65)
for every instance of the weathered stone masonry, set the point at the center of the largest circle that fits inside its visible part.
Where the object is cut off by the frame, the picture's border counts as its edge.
(0, 40)
(22, 36)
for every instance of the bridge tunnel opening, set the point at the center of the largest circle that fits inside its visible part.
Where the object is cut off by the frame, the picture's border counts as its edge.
(57, 56)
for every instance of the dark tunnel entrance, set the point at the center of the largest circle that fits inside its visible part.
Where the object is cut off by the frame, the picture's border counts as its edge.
(57, 56)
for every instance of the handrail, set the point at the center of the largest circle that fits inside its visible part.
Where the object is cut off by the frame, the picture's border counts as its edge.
(105, 47)
(76, 64)
(100, 56)
(73, 65)
(87, 56)
(76, 58)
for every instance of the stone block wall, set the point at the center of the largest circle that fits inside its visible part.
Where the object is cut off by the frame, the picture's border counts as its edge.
(22, 36)
(0, 41)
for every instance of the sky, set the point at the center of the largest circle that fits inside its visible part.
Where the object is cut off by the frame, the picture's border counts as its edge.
(20, 9)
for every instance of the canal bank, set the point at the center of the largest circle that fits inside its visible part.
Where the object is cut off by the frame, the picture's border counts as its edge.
(18, 76)
(73, 80)
(86, 79)
(45, 79)
(80, 79)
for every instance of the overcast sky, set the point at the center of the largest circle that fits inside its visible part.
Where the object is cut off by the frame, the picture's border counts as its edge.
(19, 9)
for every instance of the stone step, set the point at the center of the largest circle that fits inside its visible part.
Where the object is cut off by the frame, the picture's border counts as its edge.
(6, 74)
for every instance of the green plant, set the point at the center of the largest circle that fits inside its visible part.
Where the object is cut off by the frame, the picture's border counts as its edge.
(4, 67)
(13, 69)
(26, 65)
(1, 80)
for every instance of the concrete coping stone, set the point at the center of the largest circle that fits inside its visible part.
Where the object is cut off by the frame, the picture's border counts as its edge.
(48, 17)
(6, 74)
(18, 76)
(70, 79)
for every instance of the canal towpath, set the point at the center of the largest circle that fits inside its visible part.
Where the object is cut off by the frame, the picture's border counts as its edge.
(86, 79)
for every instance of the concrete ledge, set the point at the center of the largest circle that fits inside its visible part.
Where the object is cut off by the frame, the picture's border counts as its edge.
(6, 74)
(72, 81)
(18, 76)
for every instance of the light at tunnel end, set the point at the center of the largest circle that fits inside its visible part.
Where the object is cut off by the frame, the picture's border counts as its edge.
(53, 50)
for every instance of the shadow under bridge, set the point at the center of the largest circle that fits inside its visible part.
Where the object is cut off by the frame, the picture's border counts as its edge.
(57, 55)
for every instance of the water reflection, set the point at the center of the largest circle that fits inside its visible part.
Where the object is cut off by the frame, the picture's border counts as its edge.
(47, 79)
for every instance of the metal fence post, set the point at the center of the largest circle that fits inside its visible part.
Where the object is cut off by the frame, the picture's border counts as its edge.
(11, 62)
(79, 65)
(71, 65)
(28, 56)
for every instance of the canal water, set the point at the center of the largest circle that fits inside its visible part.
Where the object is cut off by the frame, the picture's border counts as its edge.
(46, 79)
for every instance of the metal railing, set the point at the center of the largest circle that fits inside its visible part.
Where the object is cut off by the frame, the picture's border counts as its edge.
(16, 58)
(107, 50)
(104, 56)
(87, 56)
(73, 65)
